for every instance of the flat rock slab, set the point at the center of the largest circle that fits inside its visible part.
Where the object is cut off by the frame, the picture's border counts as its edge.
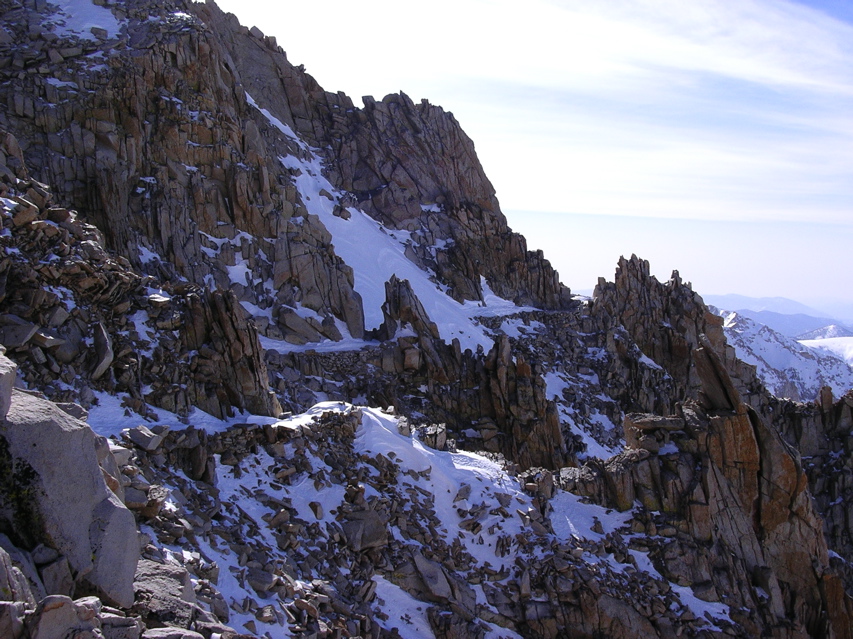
(165, 593)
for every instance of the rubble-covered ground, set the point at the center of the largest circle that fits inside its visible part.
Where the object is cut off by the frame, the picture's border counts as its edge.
(341, 518)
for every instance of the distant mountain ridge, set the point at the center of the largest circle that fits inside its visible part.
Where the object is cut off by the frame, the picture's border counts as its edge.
(789, 325)
(789, 317)
(782, 305)
(826, 332)
(787, 367)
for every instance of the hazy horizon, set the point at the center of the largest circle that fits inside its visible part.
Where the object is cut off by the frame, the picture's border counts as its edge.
(585, 247)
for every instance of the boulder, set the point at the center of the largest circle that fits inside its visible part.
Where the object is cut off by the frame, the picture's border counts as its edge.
(434, 436)
(56, 494)
(164, 594)
(57, 577)
(365, 529)
(121, 454)
(118, 627)
(15, 332)
(8, 370)
(297, 327)
(143, 437)
(25, 565)
(12, 619)
(434, 578)
(109, 466)
(642, 421)
(13, 584)
(58, 617)
(103, 351)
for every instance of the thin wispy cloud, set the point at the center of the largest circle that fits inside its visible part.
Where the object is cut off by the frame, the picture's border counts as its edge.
(780, 43)
(762, 89)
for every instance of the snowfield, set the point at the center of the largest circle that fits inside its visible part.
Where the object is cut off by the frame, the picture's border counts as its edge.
(79, 17)
(841, 347)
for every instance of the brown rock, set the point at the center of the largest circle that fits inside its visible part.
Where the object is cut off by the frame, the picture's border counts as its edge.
(365, 529)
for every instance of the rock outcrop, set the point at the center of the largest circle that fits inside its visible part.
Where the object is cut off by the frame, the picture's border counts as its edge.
(166, 151)
(735, 497)
(62, 289)
(664, 320)
(388, 162)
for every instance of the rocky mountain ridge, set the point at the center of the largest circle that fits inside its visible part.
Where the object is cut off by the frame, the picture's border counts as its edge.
(191, 224)
(827, 332)
(788, 367)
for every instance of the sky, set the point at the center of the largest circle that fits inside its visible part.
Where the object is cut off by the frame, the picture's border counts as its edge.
(710, 136)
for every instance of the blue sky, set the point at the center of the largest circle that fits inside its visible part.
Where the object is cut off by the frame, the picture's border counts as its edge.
(711, 136)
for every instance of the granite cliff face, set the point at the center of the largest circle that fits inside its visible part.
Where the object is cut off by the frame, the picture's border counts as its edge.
(200, 244)
(166, 148)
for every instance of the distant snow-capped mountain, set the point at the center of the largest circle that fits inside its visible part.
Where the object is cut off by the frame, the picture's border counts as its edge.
(788, 368)
(827, 332)
(790, 325)
(789, 317)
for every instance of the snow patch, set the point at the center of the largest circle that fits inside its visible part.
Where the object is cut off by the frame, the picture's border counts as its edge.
(571, 517)
(78, 17)
(109, 417)
(405, 613)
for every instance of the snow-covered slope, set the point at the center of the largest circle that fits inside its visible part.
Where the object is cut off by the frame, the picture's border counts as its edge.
(787, 367)
(376, 253)
(841, 347)
(83, 19)
(290, 523)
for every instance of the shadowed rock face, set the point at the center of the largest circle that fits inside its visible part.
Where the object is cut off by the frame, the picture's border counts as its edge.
(227, 371)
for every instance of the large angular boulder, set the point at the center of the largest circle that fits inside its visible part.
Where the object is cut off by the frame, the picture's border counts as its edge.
(52, 491)
(365, 529)
(8, 369)
(58, 617)
(165, 594)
